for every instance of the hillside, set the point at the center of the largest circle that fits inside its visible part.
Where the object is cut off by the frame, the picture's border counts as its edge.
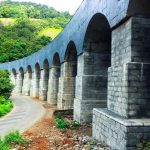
(27, 27)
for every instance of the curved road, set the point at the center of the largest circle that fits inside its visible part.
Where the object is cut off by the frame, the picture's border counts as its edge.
(25, 113)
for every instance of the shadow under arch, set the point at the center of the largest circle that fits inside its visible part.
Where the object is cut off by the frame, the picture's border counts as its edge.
(44, 80)
(20, 80)
(13, 76)
(66, 93)
(54, 80)
(36, 81)
(27, 87)
(138, 7)
(93, 63)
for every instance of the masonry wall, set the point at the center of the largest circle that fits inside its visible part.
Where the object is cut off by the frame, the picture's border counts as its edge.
(119, 133)
(128, 80)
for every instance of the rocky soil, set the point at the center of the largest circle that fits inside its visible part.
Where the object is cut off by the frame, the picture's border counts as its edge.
(45, 136)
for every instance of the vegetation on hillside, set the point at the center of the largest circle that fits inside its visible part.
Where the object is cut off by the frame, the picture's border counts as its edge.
(27, 27)
(5, 91)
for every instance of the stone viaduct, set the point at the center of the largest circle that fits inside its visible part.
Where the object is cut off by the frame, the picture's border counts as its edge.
(99, 66)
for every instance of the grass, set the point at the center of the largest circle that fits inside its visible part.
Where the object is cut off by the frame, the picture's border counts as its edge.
(51, 32)
(12, 139)
(5, 106)
(64, 124)
(7, 21)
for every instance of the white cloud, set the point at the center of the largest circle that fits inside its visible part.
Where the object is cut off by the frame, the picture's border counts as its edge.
(60, 5)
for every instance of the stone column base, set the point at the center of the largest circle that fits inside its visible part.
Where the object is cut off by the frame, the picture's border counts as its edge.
(83, 109)
(117, 132)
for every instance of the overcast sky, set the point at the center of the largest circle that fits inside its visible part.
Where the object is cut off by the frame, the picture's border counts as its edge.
(60, 5)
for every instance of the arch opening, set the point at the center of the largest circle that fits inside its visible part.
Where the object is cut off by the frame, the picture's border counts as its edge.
(20, 80)
(13, 76)
(69, 73)
(44, 80)
(139, 7)
(27, 81)
(36, 80)
(93, 66)
(54, 80)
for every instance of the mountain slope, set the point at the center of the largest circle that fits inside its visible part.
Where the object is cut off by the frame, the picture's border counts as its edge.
(27, 27)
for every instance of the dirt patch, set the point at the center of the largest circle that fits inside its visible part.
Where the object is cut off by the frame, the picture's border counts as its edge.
(45, 136)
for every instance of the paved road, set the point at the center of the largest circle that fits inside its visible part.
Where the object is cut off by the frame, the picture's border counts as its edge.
(25, 113)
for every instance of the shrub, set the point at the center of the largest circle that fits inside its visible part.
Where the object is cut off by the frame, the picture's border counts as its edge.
(5, 84)
(62, 124)
(14, 138)
(5, 106)
(74, 125)
(4, 146)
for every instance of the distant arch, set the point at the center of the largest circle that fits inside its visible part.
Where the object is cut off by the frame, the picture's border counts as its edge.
(54, 80)
(14, 76)
(36, 82)
(138, 7)
(56, 60)
(20, 79)
(29, 71)
(44, 86)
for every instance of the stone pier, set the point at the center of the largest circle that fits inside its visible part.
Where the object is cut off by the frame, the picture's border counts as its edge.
(126, 121)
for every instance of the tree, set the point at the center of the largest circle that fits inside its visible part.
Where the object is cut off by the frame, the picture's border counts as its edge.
(5, 84)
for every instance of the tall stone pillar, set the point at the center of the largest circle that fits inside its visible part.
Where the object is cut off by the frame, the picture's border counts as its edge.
(91, 84)
(43, 85)
(27, 85)
(53, 84)
(35, 85)
(66, 92)
(126, 120)
(13, 78)
(19, 84)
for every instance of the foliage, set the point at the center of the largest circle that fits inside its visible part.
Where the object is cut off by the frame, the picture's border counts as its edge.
(143, 146)
(63, 124)
(5, 84)
(14, 138)
(11, 139)
(27, 27)
(5, 106)
(4, 146)
(74, 125)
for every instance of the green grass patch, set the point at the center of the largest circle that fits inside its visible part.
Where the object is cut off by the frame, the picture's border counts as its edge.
(5, 106)
(62, 123)
(7, 21)
(12, 139)
(50, 32)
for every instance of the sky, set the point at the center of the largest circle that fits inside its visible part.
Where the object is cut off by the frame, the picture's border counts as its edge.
(60, 5)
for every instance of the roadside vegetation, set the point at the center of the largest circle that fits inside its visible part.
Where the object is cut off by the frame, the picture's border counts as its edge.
(27, 27)
(11, 140)
(63, 120)
(6, 87)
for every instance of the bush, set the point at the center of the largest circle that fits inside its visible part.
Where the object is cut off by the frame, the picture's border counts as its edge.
(61, 124)
(5, 84)
(3, 146)
(14, 138)
(5, 106)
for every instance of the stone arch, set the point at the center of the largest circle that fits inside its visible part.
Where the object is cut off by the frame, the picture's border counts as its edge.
(13, 76)
(44, 80)
(138, 7)
(20, 80)
(67, 80)
(36, 80)
(93, 63)
(27, 81)
(54, 80)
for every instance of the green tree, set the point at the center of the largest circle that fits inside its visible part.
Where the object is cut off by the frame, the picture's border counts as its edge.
(5, 84)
